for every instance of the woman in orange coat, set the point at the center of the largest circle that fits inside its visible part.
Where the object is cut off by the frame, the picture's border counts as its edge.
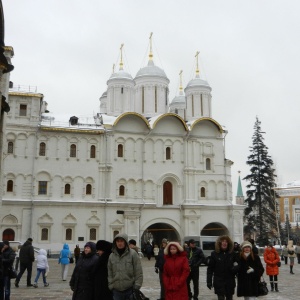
(176, 272)
(271, 258)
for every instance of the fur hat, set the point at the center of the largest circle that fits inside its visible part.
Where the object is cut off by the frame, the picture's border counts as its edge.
(177, 245)
(30, 240)
(103, 245)
(246, 244)
(132, 242)
(164, 241)
(91, 245)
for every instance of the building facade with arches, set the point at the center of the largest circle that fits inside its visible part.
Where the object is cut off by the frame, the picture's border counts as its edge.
(143, 165)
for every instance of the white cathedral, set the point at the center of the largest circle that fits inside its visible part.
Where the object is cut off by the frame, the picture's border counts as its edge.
(143, 165)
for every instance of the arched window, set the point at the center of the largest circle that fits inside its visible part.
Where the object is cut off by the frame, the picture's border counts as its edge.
(208, 164)
(67, 189)
(93, 232)
(168, 153)
(202, 192)
(10, 147)
(168, 193)
(93, 151)
(88, 189)
(44, 234)
(121, 190)
(69, 234)
(42, 151)
(73, 150)
(120, 150)
(10, 186)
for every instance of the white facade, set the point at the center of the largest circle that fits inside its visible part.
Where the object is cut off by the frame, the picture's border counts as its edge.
(134, 167)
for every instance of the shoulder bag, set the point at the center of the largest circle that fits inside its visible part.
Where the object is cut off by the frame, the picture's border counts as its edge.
(262, 287)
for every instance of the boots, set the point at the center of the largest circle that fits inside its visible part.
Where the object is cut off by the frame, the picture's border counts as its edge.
(276, 287)
(272, 287)
(291, 270)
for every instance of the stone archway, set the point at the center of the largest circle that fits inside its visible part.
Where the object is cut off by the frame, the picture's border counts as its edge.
(158, 231)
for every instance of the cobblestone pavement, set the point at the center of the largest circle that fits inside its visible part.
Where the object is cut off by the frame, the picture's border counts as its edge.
(289, 285)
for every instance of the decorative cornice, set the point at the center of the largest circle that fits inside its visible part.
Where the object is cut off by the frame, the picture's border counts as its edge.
(26, 94)
(72, 130)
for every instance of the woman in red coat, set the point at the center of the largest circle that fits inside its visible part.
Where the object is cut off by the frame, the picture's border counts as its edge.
(271, 258)
(176, 272)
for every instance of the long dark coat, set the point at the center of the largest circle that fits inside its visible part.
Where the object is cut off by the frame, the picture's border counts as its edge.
(221, 270)
(82, 281)
(101, 278)
(248, 283)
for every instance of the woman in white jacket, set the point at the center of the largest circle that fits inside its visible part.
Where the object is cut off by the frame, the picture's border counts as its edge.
(42, 267)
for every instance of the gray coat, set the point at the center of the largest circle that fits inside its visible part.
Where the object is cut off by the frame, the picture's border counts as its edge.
(125, 270)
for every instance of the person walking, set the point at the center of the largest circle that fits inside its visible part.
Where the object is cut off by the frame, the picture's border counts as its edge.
(297, 251)
(195, 256)
(76, 253)
(8, 257)
(125, 272)
(271, 259)
(176, 272)
(285, 253)
(26, 261)
(42, 267)
(249, 272)
(101, 282)
(132, 245)
(82, 281)
(159, 267)
(148, 250)
(17, 258)
(64, 260)
(222, 268)
(291, 255)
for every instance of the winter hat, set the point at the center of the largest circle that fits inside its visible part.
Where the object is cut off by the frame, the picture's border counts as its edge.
(164, 241)
(30, 240)
(103, 246)
(91, 245)
(246, 244)
(191, 241)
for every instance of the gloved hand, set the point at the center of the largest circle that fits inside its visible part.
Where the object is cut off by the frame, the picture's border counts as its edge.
(156, 270)
(235, 264)
(209, 285)
(250, 270)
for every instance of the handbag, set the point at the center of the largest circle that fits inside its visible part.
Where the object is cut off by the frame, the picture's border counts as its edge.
(71, 260)
(279, 264)
(12, 273)
(262, 287)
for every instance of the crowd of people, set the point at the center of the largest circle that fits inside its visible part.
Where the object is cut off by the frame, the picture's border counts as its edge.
(113, 271)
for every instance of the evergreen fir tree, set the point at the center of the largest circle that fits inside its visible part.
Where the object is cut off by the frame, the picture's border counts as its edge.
(260, 213)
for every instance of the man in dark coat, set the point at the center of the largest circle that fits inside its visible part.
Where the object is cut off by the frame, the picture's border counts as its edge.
(101, 281)
(26, 260)
(159, 267)
(8, 257)
(222, 268)
(195, 256)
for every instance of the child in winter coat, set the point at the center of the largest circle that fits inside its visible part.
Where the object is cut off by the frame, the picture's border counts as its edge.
(42, 267)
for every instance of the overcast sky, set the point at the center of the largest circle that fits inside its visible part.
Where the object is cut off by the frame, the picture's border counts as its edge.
(249, 54)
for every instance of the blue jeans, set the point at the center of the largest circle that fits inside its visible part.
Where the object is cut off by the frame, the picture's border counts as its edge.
(39, 271)
(5, 288)
(124, 295)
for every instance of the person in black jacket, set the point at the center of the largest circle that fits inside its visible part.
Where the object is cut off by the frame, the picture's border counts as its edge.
(250, 271)
(195, 256)
(101, 275)
(8, 257)
(159, 267)
(1, 271)
(82, 282)
(222, 268)
(26, 260)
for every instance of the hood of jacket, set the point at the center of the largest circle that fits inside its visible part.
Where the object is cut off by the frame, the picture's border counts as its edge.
(220, 239)
(177, 245)
(66, 247)
(42, 252)
(124, 236)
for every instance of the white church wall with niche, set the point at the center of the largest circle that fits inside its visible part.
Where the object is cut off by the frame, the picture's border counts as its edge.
(45, 224)
(192, 222)
(93, 227)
